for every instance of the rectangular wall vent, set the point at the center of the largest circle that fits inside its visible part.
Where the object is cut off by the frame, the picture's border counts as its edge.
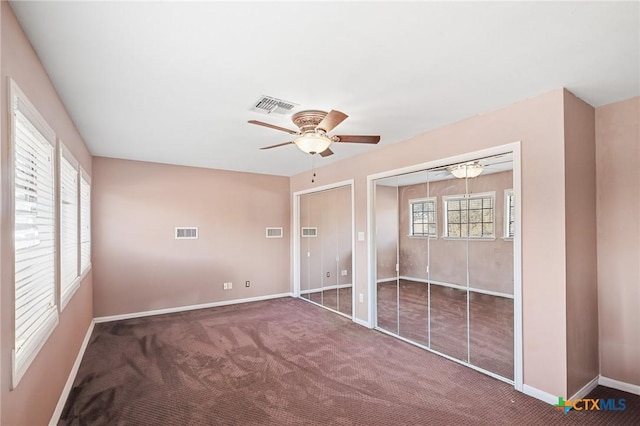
(309, 232)
(274, 232)
(269, 105)
(186, 233)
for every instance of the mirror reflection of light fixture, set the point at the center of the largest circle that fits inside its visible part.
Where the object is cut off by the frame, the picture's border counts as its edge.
(313, 142)
(466, 170)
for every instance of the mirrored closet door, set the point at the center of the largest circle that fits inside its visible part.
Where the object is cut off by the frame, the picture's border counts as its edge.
(444, 260)
(325, 249)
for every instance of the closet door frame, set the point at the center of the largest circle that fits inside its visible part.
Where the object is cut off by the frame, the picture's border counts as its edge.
(513, 148)
(295, 233)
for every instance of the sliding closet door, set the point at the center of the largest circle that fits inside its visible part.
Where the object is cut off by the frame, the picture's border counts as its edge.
(344, 274)
(491, 216)
(416, 223)
(325, 252)
(314, 237)
(448, 277)
(329, 244)
(444, 248)
(305, 246)
(387, 246)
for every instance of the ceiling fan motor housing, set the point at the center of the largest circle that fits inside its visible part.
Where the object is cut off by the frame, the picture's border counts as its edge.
(307, 121)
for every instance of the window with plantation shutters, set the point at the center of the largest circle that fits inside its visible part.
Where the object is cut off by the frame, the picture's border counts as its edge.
(69, 275)
(36, 313)
(85, 222)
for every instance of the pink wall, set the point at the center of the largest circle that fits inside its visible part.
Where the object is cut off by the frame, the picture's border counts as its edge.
(490, 262)
(35, 397)
(618, 218)
(539, 124)
(139, 266)
(580, 205)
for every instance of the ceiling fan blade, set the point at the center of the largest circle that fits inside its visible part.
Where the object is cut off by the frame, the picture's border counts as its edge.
(275, 146)
(358, 138)
(272, 126)
(331, 120)
(327, 152)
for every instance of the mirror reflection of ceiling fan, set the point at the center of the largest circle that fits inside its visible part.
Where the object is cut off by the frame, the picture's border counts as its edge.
(314, 126)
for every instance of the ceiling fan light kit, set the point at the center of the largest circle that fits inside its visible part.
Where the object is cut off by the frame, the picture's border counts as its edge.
(312, 135)
(313, 143)
(466, 170)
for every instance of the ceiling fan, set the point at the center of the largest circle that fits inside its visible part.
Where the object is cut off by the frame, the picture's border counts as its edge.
(314, 126)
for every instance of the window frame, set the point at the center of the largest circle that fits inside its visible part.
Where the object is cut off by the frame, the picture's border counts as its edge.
(22, 357)
(508, 219)
(413, 201)
(84, 176)
(460, 197)
(67, 290)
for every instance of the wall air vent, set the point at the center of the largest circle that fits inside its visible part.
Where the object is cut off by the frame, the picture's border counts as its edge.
(269, 105)
(274, 232)
(186, 233)
(309, 232)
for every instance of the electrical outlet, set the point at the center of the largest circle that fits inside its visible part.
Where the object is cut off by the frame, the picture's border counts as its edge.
(344, 272)
(247, 283)
(361, 298)
(230, 286)
(328, 274)
(225, 286)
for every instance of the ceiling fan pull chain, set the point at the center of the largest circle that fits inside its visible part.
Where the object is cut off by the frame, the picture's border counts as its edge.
(313, 168)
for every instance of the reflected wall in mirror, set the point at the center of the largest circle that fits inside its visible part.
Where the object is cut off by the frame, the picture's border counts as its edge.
(325, 254)
(416, 222)
(445, 260)
(387, 217)
(305, 247)
(344, 273)
(491, 273)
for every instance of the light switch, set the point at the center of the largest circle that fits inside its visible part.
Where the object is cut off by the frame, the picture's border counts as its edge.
(360, 236)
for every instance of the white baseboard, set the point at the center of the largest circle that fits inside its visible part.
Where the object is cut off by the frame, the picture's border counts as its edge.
(541, 395)
(457, 286)
(362, 322)
(586, 389)
(189, 308)
(616, 384)
(330, 287)
(55, 418)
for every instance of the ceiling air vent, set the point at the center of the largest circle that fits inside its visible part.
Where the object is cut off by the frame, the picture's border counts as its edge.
(274, 232)
(269, 105)
(309, 232)
(186, 233)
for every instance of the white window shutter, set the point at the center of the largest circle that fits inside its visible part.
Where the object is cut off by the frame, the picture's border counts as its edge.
(85, 222)
(36, 313)
(68, 226)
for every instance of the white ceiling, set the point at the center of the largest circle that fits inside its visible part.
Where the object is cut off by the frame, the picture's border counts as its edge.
(173, 82)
